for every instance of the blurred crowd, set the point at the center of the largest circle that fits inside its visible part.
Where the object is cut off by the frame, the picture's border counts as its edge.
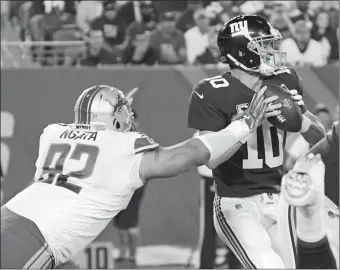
(91, 33)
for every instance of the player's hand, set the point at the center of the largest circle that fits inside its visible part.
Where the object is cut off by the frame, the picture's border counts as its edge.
(297, 97)
(254, 115)
(272, 109)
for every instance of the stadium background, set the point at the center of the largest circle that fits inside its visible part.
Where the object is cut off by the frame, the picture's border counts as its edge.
(34, 98)
(35, 93)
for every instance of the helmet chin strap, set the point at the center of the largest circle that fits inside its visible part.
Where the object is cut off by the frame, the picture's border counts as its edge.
(263, 68)
(237, 63)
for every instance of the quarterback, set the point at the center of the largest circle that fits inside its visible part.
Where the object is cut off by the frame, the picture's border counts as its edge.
(87, 172)
(249, 214)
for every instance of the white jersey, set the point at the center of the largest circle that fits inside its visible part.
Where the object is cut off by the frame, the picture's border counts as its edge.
(83, 179)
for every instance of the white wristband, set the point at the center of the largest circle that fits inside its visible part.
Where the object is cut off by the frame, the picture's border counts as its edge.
(221, 141)
(306, 122)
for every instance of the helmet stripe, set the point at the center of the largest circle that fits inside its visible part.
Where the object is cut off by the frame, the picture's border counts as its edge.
(83, 105)
(88, 116)
(85, 102)
(79, 106)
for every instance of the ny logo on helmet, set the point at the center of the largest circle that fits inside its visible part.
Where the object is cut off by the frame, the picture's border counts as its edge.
(239, 26)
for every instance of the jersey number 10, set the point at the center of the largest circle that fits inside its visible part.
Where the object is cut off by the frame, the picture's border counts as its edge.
(264, 146)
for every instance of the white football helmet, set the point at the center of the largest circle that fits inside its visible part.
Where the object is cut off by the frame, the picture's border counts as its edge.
(105, 106)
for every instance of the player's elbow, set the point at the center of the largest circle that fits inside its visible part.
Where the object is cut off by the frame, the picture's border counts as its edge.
(211, 164)
(199, 154)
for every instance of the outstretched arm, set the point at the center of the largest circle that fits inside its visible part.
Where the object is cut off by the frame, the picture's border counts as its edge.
(171, 161)
(226, 155)
(205, 149)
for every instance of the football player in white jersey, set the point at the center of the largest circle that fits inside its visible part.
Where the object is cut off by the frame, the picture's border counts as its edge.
(87, 172)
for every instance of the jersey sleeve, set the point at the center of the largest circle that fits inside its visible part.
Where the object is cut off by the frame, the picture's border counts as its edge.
(204, 114)
(143, 143)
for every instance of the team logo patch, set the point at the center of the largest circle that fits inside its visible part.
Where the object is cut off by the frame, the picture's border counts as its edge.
(241, 107)
(239, 26)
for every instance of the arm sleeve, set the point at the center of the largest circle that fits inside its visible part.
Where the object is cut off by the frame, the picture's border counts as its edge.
(204, 113)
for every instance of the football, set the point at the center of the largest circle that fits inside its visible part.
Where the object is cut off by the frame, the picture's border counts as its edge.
(290, 119)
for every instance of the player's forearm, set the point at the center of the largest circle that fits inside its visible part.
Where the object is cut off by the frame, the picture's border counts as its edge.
(225, 156)
(209, 149)
(322, 147)
(171, 161)
(205, 149)
(312, 129)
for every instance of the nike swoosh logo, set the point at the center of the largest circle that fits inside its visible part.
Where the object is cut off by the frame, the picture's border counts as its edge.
(199, 95)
